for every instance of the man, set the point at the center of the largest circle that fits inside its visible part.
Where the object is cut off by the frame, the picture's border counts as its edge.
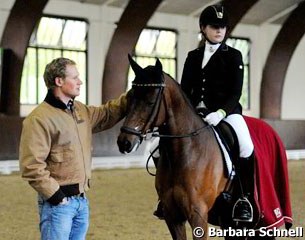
(55, 151)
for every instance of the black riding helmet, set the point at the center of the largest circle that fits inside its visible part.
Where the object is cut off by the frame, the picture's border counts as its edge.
(214, 15)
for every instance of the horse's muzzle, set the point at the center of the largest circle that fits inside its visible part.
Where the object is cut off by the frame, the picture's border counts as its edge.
(127, 143)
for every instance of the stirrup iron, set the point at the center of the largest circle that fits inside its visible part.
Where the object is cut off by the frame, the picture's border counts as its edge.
(242, 201)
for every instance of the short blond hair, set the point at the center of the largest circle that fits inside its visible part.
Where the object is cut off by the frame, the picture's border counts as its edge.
(54, 69)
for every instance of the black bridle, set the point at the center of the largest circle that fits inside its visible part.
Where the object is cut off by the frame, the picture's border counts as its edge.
(143, 134)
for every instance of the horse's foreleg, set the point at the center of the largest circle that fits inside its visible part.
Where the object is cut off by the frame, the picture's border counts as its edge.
(177, 229)
(199, 230)
(199, 223)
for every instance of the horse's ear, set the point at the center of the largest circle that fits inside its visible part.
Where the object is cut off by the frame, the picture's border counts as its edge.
(135, 67)
(158, 66)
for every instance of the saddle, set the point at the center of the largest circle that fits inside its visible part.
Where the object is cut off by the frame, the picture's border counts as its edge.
(227, 135)
(229, 140)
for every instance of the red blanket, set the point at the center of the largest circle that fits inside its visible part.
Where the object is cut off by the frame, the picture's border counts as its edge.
(272, 186)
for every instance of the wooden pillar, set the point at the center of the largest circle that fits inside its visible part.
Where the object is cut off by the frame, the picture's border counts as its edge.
(277, 63)
(124, 39)
(17, 32)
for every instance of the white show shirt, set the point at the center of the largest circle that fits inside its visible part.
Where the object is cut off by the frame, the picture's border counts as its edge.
(209, 50)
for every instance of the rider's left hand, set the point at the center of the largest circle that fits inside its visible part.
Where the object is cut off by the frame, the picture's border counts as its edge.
(214, 118)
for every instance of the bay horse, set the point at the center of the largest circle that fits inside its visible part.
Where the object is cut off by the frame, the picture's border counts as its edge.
(190, 172)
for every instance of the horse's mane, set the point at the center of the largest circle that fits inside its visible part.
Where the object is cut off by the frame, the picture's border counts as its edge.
(186, 99)
(157, 78)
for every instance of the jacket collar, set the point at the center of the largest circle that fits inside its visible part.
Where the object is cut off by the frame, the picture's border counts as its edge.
(223, 47)
(56, 102)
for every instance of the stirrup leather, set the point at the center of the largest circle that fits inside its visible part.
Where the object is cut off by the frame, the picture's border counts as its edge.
(241, 201)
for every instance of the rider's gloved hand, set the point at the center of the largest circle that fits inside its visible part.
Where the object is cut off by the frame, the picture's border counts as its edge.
(214, 118)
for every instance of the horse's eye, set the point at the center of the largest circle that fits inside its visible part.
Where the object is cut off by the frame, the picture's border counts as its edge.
(150, 103)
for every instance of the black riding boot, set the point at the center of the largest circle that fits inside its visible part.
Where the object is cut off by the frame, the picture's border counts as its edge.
(242, 209)
(159, 211)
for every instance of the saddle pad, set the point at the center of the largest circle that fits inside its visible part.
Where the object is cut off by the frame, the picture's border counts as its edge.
(271, 175)
(227, 159)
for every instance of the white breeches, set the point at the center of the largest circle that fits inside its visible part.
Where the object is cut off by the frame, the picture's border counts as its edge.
(238, 123)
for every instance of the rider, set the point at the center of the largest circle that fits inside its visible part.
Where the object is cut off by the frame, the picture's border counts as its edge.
(212, 79)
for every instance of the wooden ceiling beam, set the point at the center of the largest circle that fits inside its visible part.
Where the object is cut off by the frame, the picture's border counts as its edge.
(132, 22)
(237, 9)
(21, 22)
(275, 69)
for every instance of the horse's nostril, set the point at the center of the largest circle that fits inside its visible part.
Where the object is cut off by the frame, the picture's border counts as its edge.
(124, 145)
(127, 145)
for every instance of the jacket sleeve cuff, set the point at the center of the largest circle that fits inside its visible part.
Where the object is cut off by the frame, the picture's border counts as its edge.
(56, 198)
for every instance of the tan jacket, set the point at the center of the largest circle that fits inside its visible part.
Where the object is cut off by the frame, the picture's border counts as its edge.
(55, 145)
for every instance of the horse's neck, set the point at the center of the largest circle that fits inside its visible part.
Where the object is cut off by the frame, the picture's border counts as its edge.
(182, 118)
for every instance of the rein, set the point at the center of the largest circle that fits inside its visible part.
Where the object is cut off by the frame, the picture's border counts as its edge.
(156, 134)
(191, 134)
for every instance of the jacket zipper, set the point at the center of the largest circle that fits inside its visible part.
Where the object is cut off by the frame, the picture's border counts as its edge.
(79, 140)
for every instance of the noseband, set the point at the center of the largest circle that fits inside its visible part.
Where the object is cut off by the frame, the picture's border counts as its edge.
(152, 118)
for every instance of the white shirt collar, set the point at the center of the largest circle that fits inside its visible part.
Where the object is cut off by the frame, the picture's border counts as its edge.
(211, 47)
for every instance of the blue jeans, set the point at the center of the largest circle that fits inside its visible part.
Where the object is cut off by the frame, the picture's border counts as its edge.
(69, 221)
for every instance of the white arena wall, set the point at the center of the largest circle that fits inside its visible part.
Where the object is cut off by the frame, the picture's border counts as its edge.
(124, 161)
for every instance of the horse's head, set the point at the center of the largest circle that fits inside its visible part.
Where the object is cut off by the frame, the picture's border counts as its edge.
(144, 100)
